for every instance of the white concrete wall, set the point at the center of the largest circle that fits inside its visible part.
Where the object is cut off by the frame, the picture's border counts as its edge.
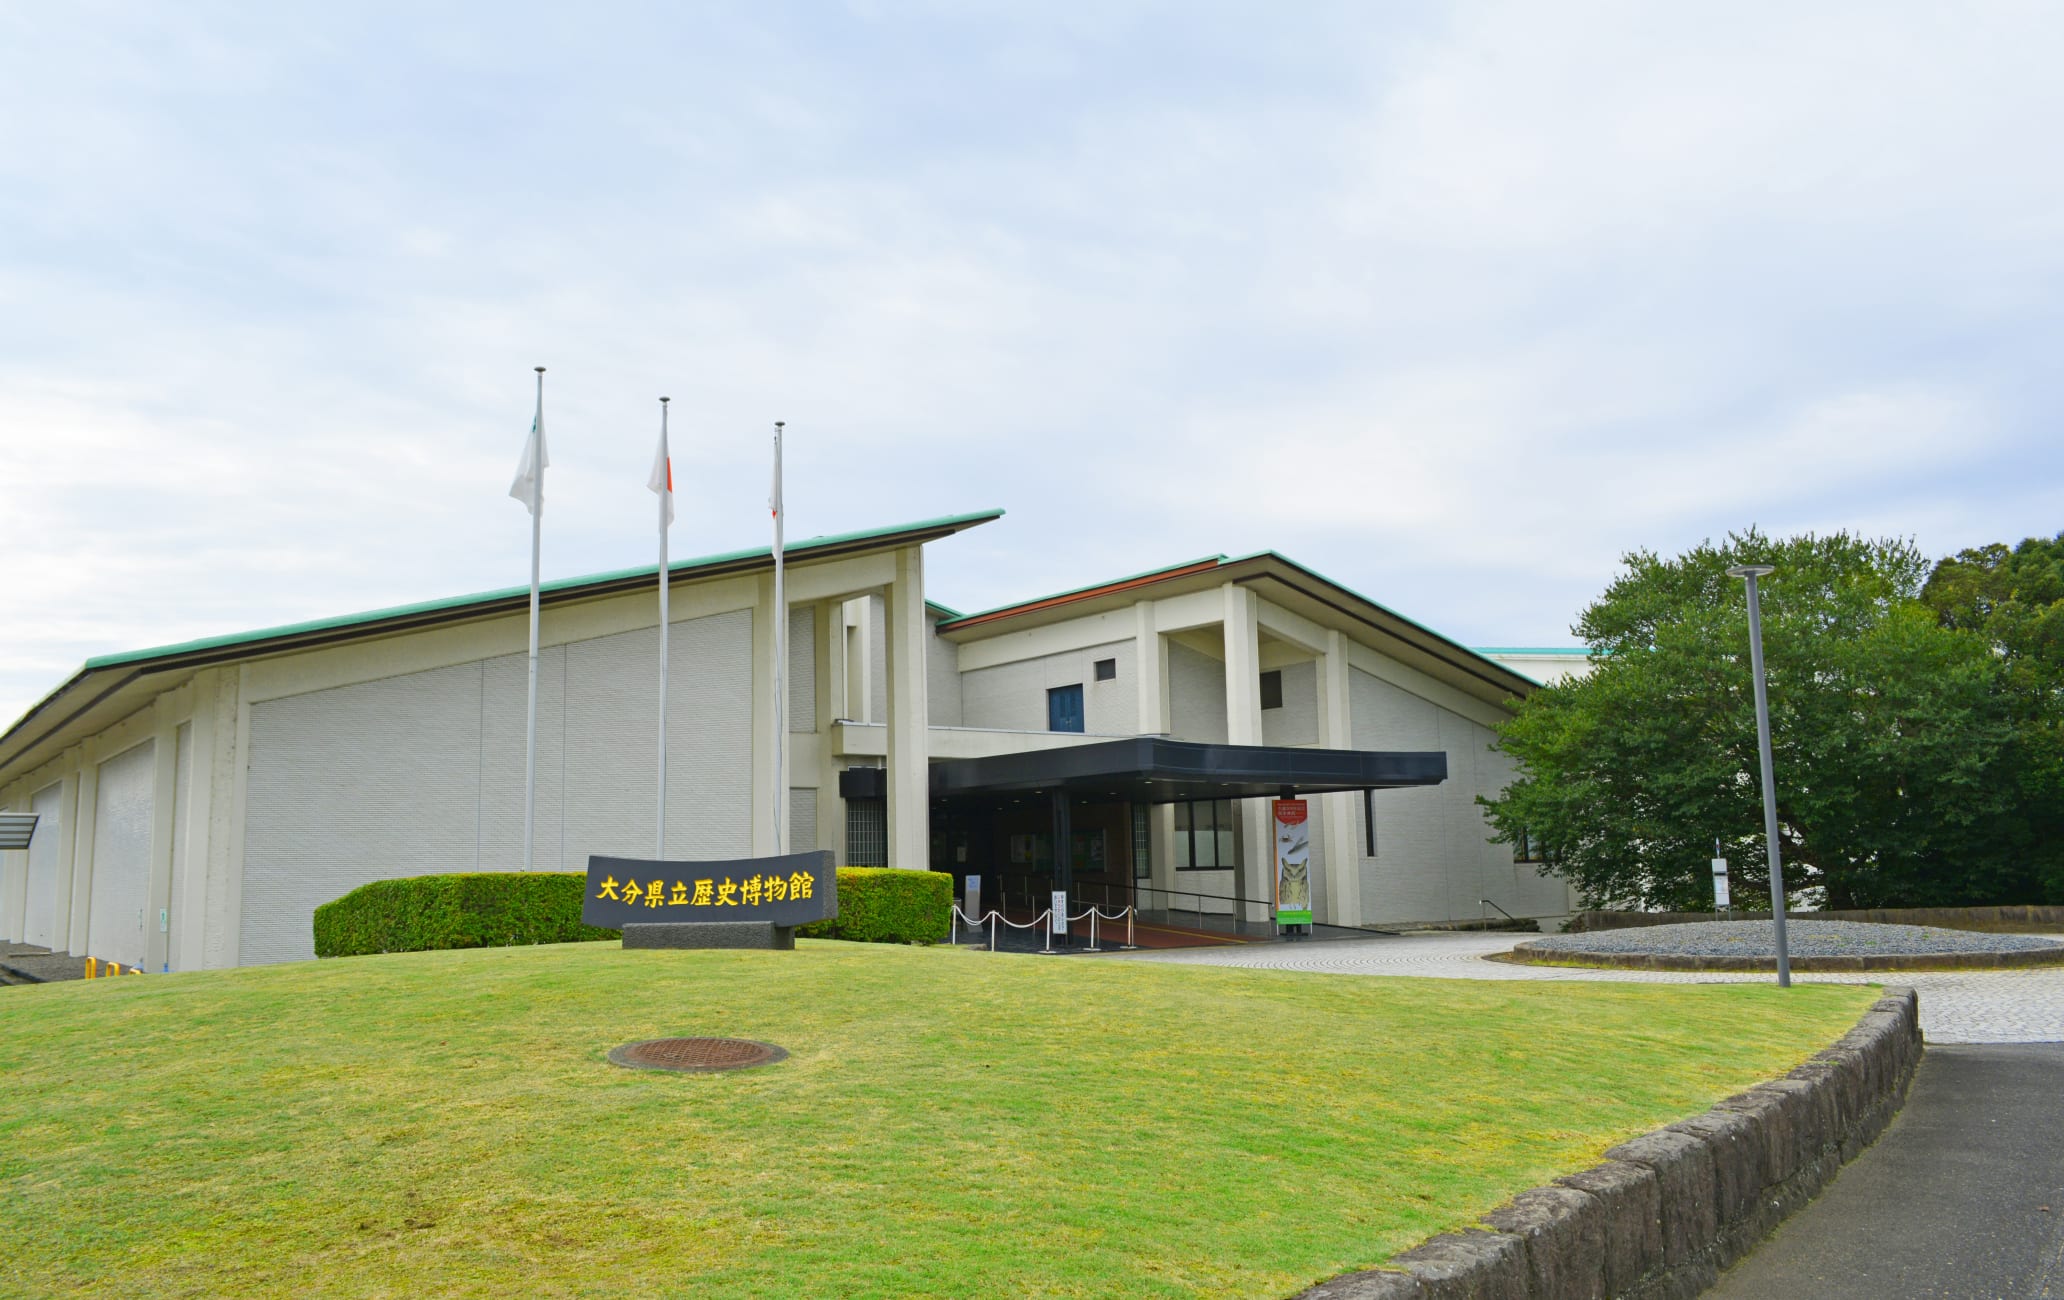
(1546, 667)
(1297, 722)
(122, 856)
(1434, 859)
(424, 772)
(942, 676)
(1196, 695)
(1012, 696)
(45, 873)
(802, 671)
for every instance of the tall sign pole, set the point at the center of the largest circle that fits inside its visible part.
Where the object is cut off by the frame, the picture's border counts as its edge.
(1750, 573)
(780, 661)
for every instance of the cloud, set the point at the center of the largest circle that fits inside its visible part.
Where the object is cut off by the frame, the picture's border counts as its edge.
(1456, 306)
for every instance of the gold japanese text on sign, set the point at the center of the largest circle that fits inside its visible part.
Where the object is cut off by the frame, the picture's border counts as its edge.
(788, 890)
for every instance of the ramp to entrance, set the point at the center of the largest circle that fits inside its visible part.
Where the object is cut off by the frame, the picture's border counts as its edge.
(1150, 929)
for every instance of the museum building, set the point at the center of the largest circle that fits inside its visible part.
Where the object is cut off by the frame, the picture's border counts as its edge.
(196, 802)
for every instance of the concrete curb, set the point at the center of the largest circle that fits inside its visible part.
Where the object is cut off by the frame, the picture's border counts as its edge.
(1531, 954)
(1667, 1211)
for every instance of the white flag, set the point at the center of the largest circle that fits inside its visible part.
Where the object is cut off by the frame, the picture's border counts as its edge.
(525, 488)
(662, 477)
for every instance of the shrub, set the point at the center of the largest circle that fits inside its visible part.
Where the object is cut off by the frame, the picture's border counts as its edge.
(473, 910)
(888, 905)
(489, 909)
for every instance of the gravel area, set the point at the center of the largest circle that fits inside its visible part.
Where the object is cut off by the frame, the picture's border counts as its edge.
(1805, 938)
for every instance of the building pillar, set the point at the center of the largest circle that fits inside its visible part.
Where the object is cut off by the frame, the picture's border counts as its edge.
(909, 739)
(1343, 818)
(164, 800)
(190, 903)
(75, 894)
(767, 775)
(1243, 727)
(831, 699)
(14, 879)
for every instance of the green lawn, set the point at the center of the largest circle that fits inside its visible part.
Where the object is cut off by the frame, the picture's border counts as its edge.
(949, 1123)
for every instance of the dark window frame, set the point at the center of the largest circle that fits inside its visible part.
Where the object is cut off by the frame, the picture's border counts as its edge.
(1104, 670)
(1272, 686)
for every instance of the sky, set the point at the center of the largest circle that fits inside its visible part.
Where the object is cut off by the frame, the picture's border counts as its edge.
(1456, 304)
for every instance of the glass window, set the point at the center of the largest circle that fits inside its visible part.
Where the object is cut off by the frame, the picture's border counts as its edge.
(1142, 841)
(1272, 690)
(1206, 835)
(1107, 670)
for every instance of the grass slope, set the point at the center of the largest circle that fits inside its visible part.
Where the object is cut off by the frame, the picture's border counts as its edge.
(949, 1123)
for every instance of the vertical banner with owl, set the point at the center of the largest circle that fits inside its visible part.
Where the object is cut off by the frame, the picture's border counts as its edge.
(1293, 861)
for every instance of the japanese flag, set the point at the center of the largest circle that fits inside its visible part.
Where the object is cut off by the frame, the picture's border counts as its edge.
(662, 478)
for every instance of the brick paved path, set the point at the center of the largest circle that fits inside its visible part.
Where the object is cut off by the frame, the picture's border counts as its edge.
(2020, 1006)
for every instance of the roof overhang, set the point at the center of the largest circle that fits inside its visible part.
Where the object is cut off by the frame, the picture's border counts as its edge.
(111, 687)
(1153, 769)
(1283, 582)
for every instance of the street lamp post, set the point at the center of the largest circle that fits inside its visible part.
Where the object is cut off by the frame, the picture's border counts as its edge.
(1749, 573)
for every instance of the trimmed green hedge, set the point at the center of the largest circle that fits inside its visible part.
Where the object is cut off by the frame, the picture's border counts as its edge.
(888, 905)
(474, 910)
(489, 909)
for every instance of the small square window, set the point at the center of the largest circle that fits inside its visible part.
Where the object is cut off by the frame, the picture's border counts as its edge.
(1272, 690)
(1107, 670)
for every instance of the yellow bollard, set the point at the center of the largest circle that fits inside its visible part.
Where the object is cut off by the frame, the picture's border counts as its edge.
(136, 970)
(89, 968)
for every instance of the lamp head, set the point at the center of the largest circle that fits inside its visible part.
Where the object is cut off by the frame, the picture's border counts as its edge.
(1751, 570)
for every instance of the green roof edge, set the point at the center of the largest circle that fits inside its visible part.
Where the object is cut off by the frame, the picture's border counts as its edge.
(505, 593)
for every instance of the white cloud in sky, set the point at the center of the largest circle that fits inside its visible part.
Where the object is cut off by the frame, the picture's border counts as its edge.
(1455, 305)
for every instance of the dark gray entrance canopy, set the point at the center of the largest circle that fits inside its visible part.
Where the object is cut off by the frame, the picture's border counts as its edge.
(1150, 769)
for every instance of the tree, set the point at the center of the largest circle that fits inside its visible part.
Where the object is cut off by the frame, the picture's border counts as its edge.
(2014, 600)
(1887, 727)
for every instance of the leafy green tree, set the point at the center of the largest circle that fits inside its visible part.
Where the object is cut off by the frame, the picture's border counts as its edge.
(2014, 600)
(1887, 727)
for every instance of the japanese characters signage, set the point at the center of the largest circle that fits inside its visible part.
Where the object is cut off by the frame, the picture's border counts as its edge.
(1293, 861)
(790, 890)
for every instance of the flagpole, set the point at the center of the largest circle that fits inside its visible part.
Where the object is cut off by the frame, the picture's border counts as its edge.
(660, 852)
(780, 661)
(537, 519)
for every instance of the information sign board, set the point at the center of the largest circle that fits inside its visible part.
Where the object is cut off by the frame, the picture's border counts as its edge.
(793, 889)
(1291, 818)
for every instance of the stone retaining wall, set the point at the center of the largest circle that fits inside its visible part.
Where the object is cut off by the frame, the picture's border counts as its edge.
(1667, 1211)
(1534, 954)
(2005, 920)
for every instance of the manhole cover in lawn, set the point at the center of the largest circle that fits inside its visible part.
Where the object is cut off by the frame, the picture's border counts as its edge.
(696, 1054)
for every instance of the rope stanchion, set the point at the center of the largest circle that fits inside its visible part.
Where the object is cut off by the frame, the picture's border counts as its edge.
(995, 918)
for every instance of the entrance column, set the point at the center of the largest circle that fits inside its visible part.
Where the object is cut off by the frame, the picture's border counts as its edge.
(909, 763)
(1343, 820)
(1243, 727)
(1150, 653)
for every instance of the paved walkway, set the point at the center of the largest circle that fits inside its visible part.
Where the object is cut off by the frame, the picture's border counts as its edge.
(1962, 1197)
(2018, 1006)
